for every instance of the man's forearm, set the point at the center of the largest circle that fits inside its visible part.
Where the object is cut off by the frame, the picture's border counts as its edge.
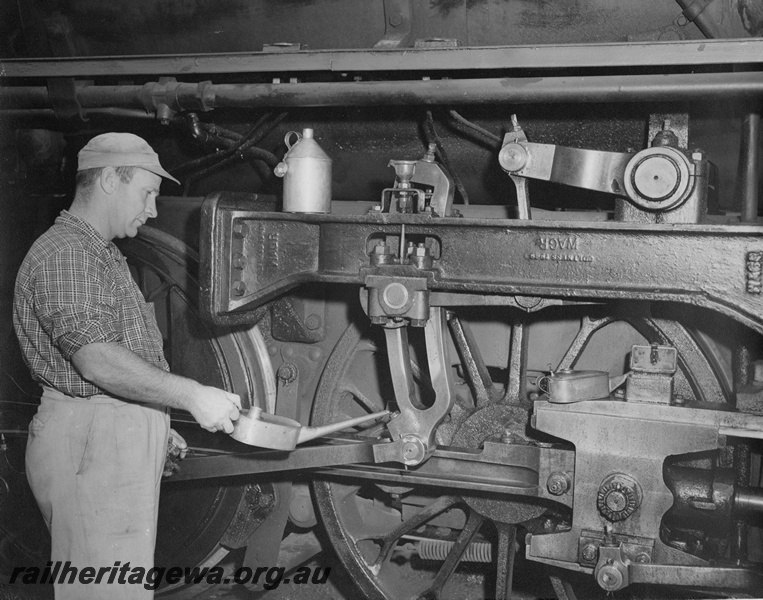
(123, 373)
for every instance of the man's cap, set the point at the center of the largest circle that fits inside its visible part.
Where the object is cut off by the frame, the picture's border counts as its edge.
(120, 150)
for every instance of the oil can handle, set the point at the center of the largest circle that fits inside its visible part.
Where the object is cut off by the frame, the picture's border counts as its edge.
(287, 138)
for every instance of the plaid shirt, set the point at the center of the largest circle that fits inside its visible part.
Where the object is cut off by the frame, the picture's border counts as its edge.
(74, 288)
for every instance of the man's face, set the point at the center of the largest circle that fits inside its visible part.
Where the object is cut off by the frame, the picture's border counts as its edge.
(135, 203)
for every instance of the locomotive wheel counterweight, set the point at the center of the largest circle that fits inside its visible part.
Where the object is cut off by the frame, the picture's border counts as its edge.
(371, 525)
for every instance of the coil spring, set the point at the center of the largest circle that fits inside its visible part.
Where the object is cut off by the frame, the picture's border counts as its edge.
(439, 549)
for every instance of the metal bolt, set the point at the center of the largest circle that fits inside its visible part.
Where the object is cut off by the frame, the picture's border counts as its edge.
(381, 249)
(313, 322)
(287, 372)
(240, 230)
(513, 157)
(239, 261)
(508, 436)
(616, 501)
(589, 552)
(558, 483)
(643, 557)
(610, 579)
(239, 288)
(679, 400)
(395, 20)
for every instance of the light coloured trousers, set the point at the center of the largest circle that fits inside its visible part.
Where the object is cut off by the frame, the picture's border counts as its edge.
(94, 466)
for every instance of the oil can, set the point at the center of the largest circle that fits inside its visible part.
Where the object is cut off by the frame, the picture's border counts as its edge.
(306, 172)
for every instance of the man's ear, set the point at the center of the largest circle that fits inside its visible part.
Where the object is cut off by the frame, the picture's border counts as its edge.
(109, 180)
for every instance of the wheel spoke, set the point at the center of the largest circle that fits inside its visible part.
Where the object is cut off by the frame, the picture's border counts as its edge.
(505, 561)
(370, 405)
(473, 524)
(475, 368)
(588, 327)
(516, 389)
(562, 588)
(390, 540)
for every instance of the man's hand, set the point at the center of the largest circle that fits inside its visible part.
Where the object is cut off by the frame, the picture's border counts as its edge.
(215, 409)
(178, 445)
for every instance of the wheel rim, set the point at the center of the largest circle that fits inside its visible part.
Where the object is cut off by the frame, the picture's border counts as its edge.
(194, 516)
(351, 385)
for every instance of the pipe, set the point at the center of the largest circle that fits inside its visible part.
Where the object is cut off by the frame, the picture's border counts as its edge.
(742, 472)
(749, 500)
(694, 10)
(600, 88)
(749, 163)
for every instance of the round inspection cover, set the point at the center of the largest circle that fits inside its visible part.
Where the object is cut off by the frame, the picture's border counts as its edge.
(658, 178)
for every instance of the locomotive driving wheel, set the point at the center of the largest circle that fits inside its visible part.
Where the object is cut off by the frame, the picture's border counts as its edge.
(426, 542)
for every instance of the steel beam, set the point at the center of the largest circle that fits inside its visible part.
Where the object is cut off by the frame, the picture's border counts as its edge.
(713, 266)
(556, 56)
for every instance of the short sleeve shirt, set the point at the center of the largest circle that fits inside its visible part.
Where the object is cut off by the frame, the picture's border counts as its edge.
(75, 288)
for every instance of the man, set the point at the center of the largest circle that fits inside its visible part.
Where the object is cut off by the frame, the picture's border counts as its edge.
(98, 442)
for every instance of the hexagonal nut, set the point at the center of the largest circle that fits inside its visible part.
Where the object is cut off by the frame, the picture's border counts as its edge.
(589, 552)
(240, 230)
(238, 288)
(287, 372)
(558, 483)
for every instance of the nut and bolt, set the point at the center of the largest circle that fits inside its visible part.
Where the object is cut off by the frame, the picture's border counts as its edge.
(239, 288)
(287, 372)
(589, 552)
(643, 558)
(610, 579)
(513, 157)
(395, 20)
(509, 437)
(240, 230)
(558, 483)
(313, 322)
(239, 261)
